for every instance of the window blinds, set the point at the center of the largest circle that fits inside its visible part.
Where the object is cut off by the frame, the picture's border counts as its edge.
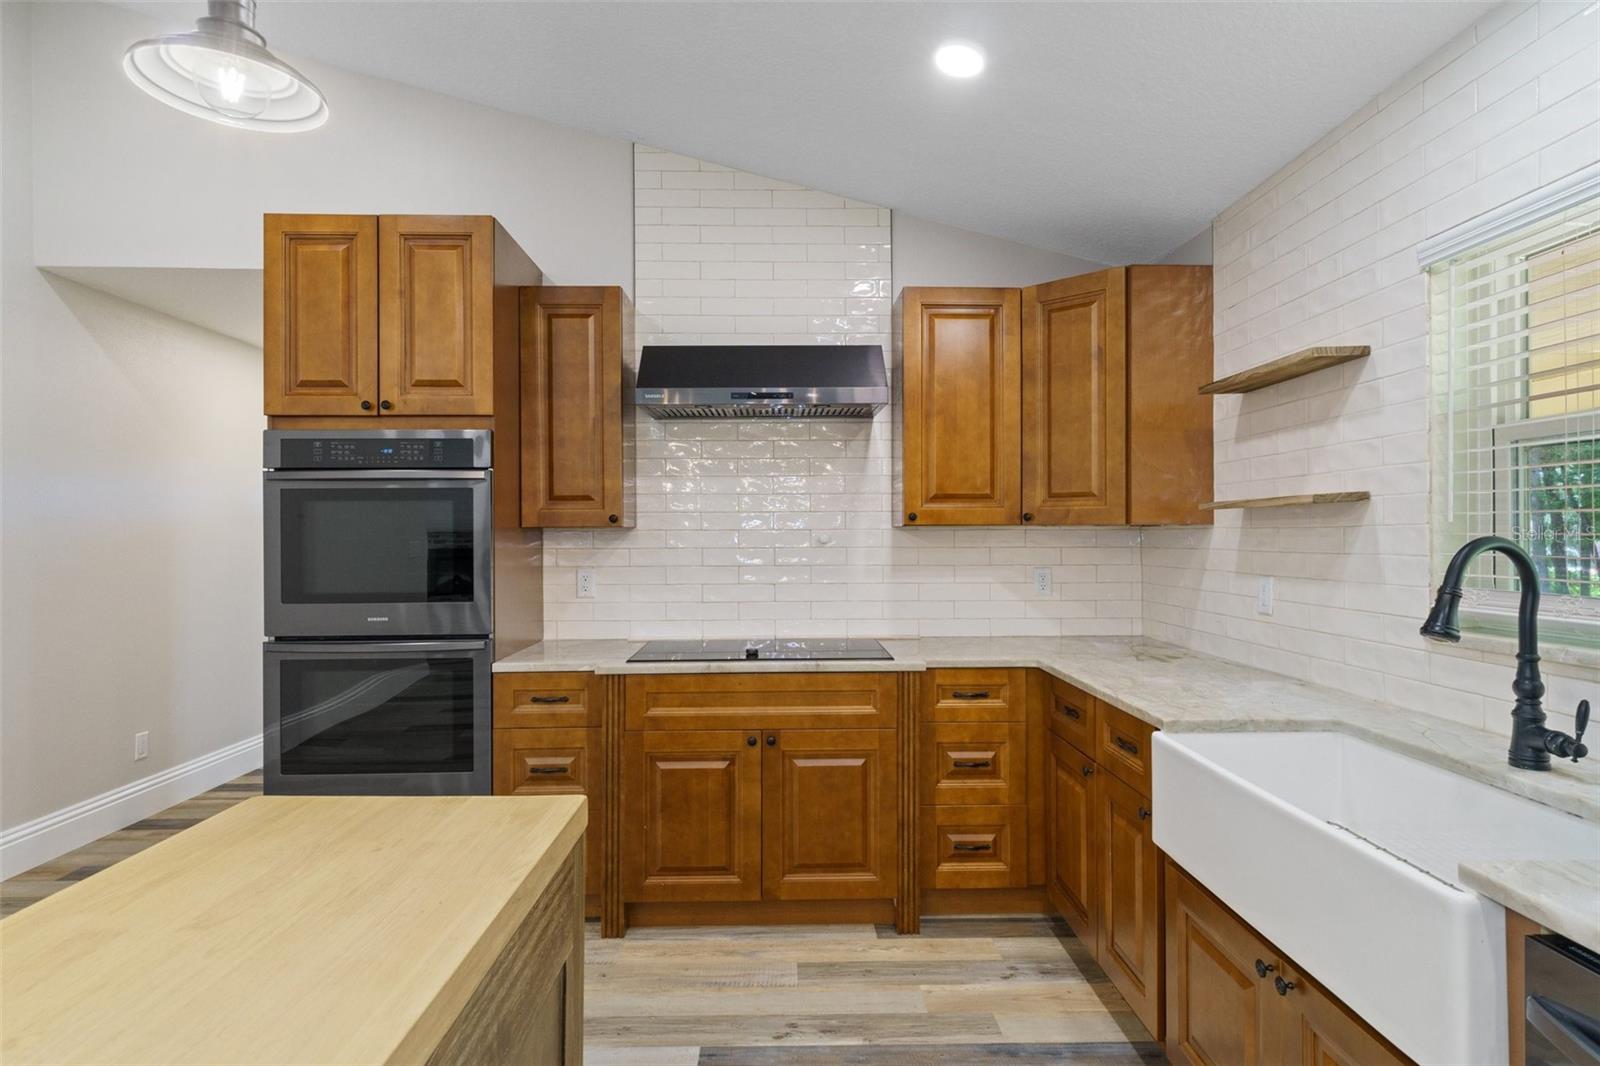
(1516, 335)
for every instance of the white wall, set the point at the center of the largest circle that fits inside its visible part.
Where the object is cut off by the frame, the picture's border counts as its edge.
(784, 529)
(931, 253)
(1324, 252)
(123, 181)
(130, 540)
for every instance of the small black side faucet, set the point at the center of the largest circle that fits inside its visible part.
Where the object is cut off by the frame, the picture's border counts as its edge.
(1532, 743)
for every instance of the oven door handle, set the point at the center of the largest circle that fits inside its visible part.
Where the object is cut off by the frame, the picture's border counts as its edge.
(375, 475)
(342, 647)
(1564, 1027)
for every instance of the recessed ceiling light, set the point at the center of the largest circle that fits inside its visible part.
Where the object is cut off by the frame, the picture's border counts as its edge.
(959, 60)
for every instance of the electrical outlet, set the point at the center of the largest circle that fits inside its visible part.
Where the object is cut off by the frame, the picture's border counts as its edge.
(585, 584)
(1264, 593)
(1041, 580)
(141, 746)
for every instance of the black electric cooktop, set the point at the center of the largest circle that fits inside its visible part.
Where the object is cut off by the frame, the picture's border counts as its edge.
(712, 651)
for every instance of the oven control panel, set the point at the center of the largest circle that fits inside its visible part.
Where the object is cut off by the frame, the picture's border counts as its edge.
(358, 451)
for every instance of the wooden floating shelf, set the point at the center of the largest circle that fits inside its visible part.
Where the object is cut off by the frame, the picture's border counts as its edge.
(1305, 361)
(1286, 501)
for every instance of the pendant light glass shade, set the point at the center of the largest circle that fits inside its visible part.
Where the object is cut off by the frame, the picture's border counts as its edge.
(221, 71)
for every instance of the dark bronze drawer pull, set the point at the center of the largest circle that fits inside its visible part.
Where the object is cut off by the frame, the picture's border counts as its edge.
(1126, 745)
(547, 769)
(972, 764)
(969, 695)
(1071, 712)
(974, 847)
(549, 699)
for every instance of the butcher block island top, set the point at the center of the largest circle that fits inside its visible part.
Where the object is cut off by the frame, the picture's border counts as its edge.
(315, 929)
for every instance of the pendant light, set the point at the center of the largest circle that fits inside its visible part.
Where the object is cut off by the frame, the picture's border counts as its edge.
(221, 71)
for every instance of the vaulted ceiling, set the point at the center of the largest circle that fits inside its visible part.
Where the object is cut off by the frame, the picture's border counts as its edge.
(1112, 131)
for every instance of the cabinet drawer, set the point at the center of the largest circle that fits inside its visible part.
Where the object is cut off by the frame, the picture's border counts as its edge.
(761, 701)
(532, 762)
(538, 700)
(974, 847)
(974, 696)
(1072, 715)
(974, 763)
(1124, 746)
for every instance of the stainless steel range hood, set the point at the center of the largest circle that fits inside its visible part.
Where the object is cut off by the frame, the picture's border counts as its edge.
(762, 381)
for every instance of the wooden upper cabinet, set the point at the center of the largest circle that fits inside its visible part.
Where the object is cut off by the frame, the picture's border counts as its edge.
(320, 314)
(390, 314)
(1072, 879)
(1075, 401)
(1169, 422)
(1130, 899)
(831, 812)
(691, 816)
(436, 310)
(572, 407)
(961, 387)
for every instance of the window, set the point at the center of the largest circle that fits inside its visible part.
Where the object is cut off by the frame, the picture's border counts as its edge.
(1516, 353)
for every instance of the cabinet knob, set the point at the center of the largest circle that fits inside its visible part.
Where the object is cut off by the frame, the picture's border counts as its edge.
(1144, 814)
(385, 405)
(366, 405)
(1263, 968)
(912, 517)
(611, 518)
(1088, 771)
(1027, 516)
(772, 741)
(751, 741)
(1283, 987)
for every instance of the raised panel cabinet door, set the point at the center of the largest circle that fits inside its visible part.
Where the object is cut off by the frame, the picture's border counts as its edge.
(691, 808)
(319, 327)
(1218, 980)
(1307, 1027)
(961, 389)
(572, 406)
(436, 314)
(1072, 839)
(1130, 899)
(1074, 400)
(831, 810)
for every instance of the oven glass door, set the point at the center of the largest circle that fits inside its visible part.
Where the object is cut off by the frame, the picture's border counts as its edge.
(389, 718)
(357, 556)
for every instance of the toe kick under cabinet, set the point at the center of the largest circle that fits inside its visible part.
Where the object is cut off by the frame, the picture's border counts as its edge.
(760, 797)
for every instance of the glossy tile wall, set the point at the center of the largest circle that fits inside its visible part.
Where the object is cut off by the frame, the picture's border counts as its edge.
(1325, 252)
(783, 529)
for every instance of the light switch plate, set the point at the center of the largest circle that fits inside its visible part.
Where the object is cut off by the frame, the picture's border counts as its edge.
(1264, 593)
(141, 745)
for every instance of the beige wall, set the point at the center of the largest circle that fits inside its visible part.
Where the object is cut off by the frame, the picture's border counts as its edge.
(930, 253)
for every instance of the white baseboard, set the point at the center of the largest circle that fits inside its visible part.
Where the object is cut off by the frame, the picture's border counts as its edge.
(31, 843)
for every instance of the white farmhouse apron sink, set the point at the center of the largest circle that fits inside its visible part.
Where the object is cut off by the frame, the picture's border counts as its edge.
(1345, 855)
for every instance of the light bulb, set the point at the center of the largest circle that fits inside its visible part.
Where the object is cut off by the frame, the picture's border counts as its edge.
(959, 60)
(232, 85)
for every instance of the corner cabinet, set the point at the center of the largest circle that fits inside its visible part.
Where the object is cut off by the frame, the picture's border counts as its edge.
(961, 380)
(1073, 402)
(576, 424)
(398, 315)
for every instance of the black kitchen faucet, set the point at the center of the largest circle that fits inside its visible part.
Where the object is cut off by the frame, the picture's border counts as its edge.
(1532, 743)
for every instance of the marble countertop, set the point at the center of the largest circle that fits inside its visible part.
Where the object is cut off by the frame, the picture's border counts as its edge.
(1167, 686)
(1560, 895)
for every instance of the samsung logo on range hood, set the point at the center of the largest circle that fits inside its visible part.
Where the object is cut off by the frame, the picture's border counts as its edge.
(762, 381)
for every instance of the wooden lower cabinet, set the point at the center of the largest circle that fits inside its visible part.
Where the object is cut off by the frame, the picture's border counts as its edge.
(1233, 999)
(830, 814)
(691, 816)
(1129, 929)
(972, 846)
(1072, 878)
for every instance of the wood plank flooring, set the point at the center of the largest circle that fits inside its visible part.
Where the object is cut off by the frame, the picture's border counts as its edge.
(1011, 990)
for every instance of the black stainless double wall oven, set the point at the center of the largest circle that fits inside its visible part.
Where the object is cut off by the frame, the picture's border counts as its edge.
(379, 611)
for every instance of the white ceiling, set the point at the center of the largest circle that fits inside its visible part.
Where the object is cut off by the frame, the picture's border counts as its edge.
(1111, 131)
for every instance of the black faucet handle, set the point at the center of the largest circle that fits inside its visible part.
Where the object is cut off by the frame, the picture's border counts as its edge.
(1579, 750)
